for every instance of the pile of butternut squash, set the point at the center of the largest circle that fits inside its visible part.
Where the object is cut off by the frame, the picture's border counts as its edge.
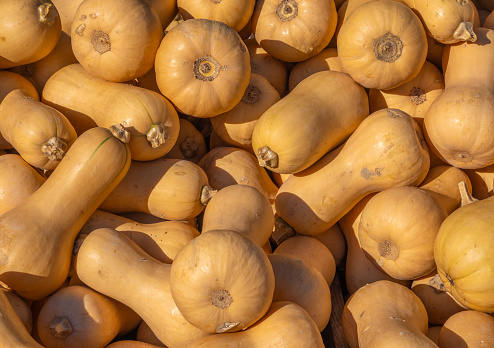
(246, 173)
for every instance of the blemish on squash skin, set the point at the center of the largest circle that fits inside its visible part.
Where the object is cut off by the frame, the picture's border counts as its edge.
(367, 174)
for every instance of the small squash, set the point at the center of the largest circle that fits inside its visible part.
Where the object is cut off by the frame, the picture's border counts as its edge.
(240, 208)
(116, 40)
(18, 181)
(202, 67)
(222, 281)
(29, 31)
(294, 30)
(384, 314)
(41, 228)
(234, 13)
(78, 317)
(285, 323)
(170, 189)
(317, 116)
(146, 117)
(468, 329)
(40, 134)
(108, 273)
(386, 150)
(382, 44)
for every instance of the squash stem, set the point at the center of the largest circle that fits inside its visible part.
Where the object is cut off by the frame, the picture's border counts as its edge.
(54, 148)
(60, 328)
(465, 32)
(281, 231)
(119, 132)
(47, 14)
(189, 148)
(157, 135)
(465, 196)
(207, 193)
(267, 157)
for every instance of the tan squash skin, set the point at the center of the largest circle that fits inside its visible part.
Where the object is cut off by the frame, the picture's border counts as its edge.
(439, 304)
(334, 239)
(40, 134)
(21, 308)
(359, 270)
(150, 120)
(300, 283)
(116, 40)
(262, 63)
(40, 71)
(449, 125)
(222, 281)
(146, 335)
(489, 20)
(314, 118)
(327, 59)
(166, 10)
(385, 314)
(170, 189)
(227, 166)
(414, 97)
(286, 324)
(108, 273)
(382, 44)
(463, 254)
(482, 180)
(190, 144)
(12, 330)
(435, 52)
(447, 21)
(433, 334)
(202, 67)
(293, 30)
(341, 18)
(10, 81)
(251, 215)
(234, 13)
(29, 31)
(470, 63)
(236, 126)
(66, 10)
(147, 81)
(39, 226)
(312, 202)
(312, 252)
(79, 317)
(132, 344)
(18, 181)
(468, 329)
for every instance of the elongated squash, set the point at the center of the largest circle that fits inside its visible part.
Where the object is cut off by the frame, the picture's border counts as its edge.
(39, 225)
(146, 116)
(40, 134)
(386, 150)
(318, 115)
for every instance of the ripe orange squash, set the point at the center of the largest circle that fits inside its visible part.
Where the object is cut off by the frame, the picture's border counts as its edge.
(116, 40)
(202, 67)
(467, 328)
(30, 30)
(386, 150)
(39, 133)
(41, 228)
(146, 117)
(382, 56)
(292, 30)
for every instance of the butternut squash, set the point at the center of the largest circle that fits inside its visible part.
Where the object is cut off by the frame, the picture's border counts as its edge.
(386, 150)
(235, 14)
(489, 21)
(40, 134)
(12, 330)
(317, 116)
(77, 316)
(285, 323)
(146, 335)
(240, 208)
(37, 224)
(40, 71)
(190, 144)
(467, 328)
(385, 314)
(463, 256)
(116, 40)
(327, 59)
(222, 281)
(482, 180)
(18, 181)
(10, 81)
(334, 239)
(236, 126)
(433, 334)
(202, 67)
(66, 10)
(447, 21)
(108, 273)
(435, 52)
(262, 63)
(382, 44)
(29, 31)
(414, 97)
(292, 30)
(21, 308)
(148, 119)
(171, 189)
(166, 10)
(131, 344)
